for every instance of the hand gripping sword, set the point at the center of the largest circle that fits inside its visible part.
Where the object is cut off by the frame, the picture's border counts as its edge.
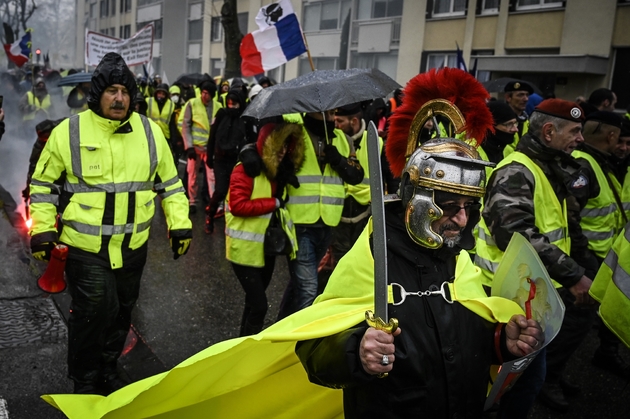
(378, 319)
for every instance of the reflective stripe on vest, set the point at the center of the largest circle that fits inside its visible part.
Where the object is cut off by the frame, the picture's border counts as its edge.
(44, 105)
(83, 216)
(625, 194)
(245, 236)
(319, 195)
(601, 219)
(161, 118)
(361, 192)
(611, 287)
(551, 219)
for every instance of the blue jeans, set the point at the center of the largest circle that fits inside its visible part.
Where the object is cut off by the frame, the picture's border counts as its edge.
(302, 288)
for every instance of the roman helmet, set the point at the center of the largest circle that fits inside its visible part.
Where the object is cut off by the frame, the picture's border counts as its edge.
(446, 165)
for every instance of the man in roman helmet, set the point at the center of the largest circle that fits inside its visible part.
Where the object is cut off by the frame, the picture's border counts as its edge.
(438, 360)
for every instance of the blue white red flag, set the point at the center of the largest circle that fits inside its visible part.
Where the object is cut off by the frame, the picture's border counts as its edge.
(19, 51)
(278, 40)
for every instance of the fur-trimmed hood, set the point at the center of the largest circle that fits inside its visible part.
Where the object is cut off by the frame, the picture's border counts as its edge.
(271, 139)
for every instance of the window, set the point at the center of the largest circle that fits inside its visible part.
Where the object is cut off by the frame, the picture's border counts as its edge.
(113, 7)
(374, 9)
(104, 8)
(216, 29)
(145, 2)
(386, 62)
(449, 7)
(193, 65)
(441, 60)
(325, 15)
(536, 4)
(490, 6)
(124, 32)
(125, 6)
(216, 66)
(92, 10)
(157, 27)
(320, 63)
(195, 22)
(242, 21)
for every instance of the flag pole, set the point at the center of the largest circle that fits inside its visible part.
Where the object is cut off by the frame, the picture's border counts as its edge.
(308, 51)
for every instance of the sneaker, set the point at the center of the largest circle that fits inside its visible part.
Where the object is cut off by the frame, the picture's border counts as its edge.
(613, 363)
(552, 396)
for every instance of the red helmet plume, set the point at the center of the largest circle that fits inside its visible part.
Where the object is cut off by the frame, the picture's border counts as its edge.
(452, 84)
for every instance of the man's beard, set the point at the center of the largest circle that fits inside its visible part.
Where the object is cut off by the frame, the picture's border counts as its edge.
(450, 241)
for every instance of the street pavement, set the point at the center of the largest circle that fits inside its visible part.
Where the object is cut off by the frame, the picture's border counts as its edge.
(184, 306)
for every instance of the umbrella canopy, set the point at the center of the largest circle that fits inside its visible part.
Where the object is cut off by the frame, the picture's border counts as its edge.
(320, 91)
(192, 79)
(498, 85)
(76, 78)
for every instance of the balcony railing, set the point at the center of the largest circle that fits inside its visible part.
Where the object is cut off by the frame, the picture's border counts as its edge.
(394, 37)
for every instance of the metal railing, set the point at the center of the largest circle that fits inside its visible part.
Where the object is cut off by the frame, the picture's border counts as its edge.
(394, 37)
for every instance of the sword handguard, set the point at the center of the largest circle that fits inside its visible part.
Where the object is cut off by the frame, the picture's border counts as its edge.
(378, 323)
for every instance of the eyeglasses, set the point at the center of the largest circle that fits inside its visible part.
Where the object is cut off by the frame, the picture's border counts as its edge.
(450, 210)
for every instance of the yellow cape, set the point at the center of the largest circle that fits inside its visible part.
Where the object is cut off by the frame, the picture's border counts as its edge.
(260, 376)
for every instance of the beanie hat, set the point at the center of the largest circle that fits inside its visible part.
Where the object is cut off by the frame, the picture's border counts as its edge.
(501, 112)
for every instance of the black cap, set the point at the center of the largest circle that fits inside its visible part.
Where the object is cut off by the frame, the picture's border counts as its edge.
(501, 112)
(162, 87)
(515, 86)
(349, 110)
(605, 117)
(625, 128)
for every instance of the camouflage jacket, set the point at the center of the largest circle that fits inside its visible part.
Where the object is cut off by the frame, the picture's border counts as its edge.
(509, 208)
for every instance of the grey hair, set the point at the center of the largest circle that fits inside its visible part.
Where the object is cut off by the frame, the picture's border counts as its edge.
(538, 119)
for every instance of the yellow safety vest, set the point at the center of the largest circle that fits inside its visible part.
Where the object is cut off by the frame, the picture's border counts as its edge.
(361, 192)
(551, 219)
(625, 195)
(201, 124)
(320, 195)
(245, 236)
(161, 118)
(97, 161)
(44, 105)
(611, 287)
(601, 217)
(510, 148)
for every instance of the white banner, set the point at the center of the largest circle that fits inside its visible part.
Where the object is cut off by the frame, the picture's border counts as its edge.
(136, 50)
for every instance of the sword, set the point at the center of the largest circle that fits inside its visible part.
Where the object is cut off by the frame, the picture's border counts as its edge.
(378, 319)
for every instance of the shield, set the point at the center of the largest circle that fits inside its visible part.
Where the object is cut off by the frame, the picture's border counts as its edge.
(191, 79)
(76, 78)
(498, 85)
(321, 91)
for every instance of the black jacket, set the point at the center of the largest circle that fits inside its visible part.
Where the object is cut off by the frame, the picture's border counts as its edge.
(443, 354)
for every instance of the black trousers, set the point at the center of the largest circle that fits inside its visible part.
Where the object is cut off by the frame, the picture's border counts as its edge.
(577, 322)
(100, 317)
(254, 282)
(222, 171)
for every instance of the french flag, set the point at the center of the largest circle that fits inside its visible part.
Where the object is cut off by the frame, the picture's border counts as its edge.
(278, 40)
(19, 51)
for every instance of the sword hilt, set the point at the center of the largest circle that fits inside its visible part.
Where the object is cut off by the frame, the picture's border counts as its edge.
(378, 323)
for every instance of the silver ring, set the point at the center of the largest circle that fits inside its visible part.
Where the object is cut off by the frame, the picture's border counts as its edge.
(537, 343)
(385, 360)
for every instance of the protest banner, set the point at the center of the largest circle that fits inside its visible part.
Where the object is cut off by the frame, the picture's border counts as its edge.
(135, 51)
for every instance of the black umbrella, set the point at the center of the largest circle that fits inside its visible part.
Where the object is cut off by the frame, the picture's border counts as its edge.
(320, 91)
(76, 78)
(498, 85)
(191, 79)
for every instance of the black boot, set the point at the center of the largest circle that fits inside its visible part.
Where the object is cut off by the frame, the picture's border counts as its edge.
(552, 396)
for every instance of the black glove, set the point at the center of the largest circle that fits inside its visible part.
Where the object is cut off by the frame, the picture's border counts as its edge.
(251, 160)
(191, 153)
(286, 174)
(180, 242)
(42, 251)
(332, 155)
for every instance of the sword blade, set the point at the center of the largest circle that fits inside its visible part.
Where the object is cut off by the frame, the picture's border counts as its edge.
(379, 235)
